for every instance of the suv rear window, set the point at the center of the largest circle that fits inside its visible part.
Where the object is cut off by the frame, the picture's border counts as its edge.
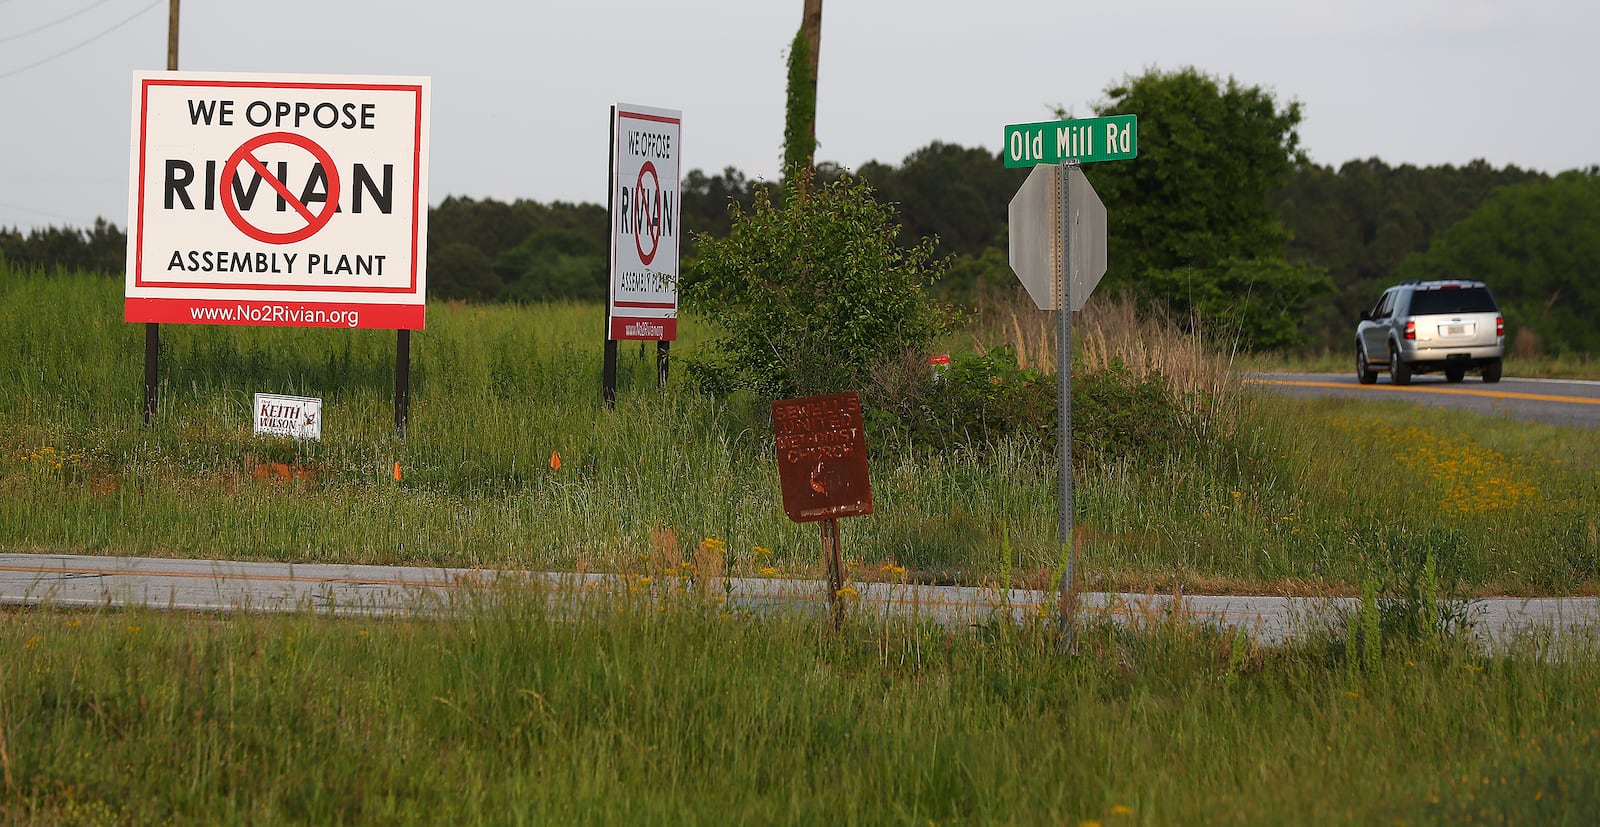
(1452, 300)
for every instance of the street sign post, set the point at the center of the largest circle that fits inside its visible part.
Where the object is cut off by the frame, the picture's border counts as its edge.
(1085, 140)
(1058, 251)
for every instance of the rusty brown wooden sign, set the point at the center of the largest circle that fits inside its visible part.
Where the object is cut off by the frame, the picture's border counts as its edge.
(822, 457)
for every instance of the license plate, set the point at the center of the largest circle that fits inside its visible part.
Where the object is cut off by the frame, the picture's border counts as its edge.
(1454, 330)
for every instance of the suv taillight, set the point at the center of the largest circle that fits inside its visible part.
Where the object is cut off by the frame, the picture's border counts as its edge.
(1499, 326)
(1411, 330)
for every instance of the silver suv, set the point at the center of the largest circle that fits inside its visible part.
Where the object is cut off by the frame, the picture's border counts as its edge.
(1426, 326)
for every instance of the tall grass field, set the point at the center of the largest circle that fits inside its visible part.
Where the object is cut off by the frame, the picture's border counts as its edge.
(518, 707)
(1256, 493)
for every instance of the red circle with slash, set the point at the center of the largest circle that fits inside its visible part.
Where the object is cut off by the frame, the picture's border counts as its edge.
(246, 155)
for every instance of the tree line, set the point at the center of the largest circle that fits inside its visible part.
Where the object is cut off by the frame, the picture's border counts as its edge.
(1221, 219)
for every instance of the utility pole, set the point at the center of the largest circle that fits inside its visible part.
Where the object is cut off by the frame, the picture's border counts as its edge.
(152, 330)
(800, 105)
(811, 24)
(172, 35)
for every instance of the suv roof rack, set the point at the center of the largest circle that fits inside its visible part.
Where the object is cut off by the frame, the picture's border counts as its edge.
(1430, 282)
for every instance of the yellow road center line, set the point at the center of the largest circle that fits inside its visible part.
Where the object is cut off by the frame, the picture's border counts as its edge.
(1536, 397)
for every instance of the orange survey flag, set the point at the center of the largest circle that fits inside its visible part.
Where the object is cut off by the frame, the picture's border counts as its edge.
(555, 461)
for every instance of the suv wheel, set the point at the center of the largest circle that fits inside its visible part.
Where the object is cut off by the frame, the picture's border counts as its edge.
(1364, 372)
(1491, 370)
(1455, 374)
(1400, 372)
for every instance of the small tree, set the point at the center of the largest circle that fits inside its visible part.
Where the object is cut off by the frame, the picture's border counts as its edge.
(813, 296)
(1191, 221)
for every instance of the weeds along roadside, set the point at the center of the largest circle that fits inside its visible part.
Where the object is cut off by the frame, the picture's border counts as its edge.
(1183, 476)
(677, 710)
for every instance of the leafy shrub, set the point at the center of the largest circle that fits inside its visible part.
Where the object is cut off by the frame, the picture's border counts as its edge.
(1117, 415)
(813, 296)
(982, 398)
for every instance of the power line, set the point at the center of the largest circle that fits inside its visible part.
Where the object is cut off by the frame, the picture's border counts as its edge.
(35, 210)
(71, 49)
(93, 5)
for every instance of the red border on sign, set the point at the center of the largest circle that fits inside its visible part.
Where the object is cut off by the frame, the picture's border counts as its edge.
(272, 313)
(643, 116)
(416, 183)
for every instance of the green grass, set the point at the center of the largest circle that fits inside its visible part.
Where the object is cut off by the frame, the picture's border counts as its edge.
(1333, 491)
(1266, 493)
(626, 711)
(629, 712)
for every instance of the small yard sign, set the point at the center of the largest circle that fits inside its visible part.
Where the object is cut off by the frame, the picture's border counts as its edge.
(297, 417)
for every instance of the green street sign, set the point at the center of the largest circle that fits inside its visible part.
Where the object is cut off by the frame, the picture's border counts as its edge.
(1083, 140)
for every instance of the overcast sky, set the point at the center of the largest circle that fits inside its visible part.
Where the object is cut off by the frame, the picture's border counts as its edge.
(521, 90)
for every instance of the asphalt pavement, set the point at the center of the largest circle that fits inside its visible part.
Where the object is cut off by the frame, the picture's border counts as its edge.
(1568, 402)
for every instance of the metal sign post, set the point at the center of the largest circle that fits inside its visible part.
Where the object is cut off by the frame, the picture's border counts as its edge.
(1066, 604)
(1058, 251)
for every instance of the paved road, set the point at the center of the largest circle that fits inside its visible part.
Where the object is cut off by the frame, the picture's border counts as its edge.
(1555, 401)
(214, 585)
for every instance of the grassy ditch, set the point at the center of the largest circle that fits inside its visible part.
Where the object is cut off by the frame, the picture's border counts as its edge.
(678, 712)
(1191, 480)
